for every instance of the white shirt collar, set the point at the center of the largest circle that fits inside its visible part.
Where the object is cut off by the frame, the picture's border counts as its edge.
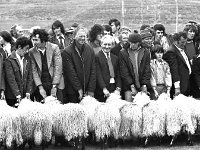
(106, 54)
(59, 36)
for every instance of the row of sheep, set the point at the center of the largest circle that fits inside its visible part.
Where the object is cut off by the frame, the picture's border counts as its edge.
(119, 119)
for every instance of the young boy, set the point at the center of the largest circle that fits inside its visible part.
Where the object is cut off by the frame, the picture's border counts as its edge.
(161, 80)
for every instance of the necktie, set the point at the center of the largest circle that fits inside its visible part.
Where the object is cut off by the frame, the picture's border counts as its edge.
(112, 74)
(61, 42)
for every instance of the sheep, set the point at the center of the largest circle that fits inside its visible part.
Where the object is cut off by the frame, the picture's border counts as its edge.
(36, 122)
(179, 118)
(103, 119)
(154, 117)
(69, 120)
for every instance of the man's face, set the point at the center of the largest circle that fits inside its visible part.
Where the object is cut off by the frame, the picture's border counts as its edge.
(159, 56)
(106, 45)
(99, 37)
(134, 46)
(147, 41)
(190, 34)
(36, 41)
(2, 41)
(81, 37)
(159, 34)
(114, 28)
(57, 31)
(124, 36)
(181, 43)
(22, 51)
(19, 31)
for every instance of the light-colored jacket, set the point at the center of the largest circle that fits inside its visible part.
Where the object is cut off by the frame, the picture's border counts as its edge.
(54, 62)
(166, 70)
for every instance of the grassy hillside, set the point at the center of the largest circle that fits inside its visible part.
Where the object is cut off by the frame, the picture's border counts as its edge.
(88, 12)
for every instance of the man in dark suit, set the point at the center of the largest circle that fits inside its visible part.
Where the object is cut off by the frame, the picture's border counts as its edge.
(135, 68)
(18, 73)
(47, 66)
(108, 79)
(79, 68)
(59, 36)
(179, 64)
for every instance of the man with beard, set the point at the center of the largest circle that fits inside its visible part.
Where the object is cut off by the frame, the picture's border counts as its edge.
(135, 68)
(123, 37)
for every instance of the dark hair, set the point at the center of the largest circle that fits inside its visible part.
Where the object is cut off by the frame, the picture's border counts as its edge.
(159, 27)
(177, 36)
(190, 27)
(58, 24)
(95, 30)
(6, 36)
(107, 28)
(23, 41)
(157, 49)
(43, 35)
(116, 22)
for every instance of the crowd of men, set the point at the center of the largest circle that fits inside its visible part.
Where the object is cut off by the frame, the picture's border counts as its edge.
(104, 59)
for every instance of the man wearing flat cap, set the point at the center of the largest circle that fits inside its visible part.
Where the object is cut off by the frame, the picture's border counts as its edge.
(135, 67)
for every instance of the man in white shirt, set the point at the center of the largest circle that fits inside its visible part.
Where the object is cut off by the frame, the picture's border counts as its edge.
(180, 66)
(18, 73)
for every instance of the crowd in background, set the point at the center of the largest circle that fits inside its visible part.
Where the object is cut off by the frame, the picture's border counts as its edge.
(72, 63)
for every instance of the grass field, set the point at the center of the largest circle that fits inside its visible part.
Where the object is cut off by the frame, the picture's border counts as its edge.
(88, 12)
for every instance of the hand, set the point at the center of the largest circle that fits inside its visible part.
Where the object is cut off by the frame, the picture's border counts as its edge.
(28, 95)
(18, 97)
(168, 93)
(106, 92)
(53, 91)
(156, 93)
(80, 92)
(117, 92)
(90, 94)
(2, 95)
(133, 90)
(177, 91)
(42, 92)
(144, 89)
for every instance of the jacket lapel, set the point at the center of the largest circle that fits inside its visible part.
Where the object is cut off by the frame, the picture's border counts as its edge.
(140, 56)
(37, 57)
(180, 55)
(49, 52)
(13, 56)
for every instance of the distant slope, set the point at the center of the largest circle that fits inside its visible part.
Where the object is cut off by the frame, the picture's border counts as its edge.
(88, 12)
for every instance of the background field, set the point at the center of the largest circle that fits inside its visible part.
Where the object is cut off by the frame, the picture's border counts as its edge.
(88, 12)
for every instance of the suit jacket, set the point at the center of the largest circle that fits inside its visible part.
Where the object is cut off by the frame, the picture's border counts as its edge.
(127, 71)
(54, 40)
(54, 62)
(18, 83)
(79, 71)
(2, 72)
(103, 73)
(179, 69)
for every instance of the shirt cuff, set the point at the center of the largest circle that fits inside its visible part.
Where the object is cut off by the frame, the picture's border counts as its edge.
(177, 84)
